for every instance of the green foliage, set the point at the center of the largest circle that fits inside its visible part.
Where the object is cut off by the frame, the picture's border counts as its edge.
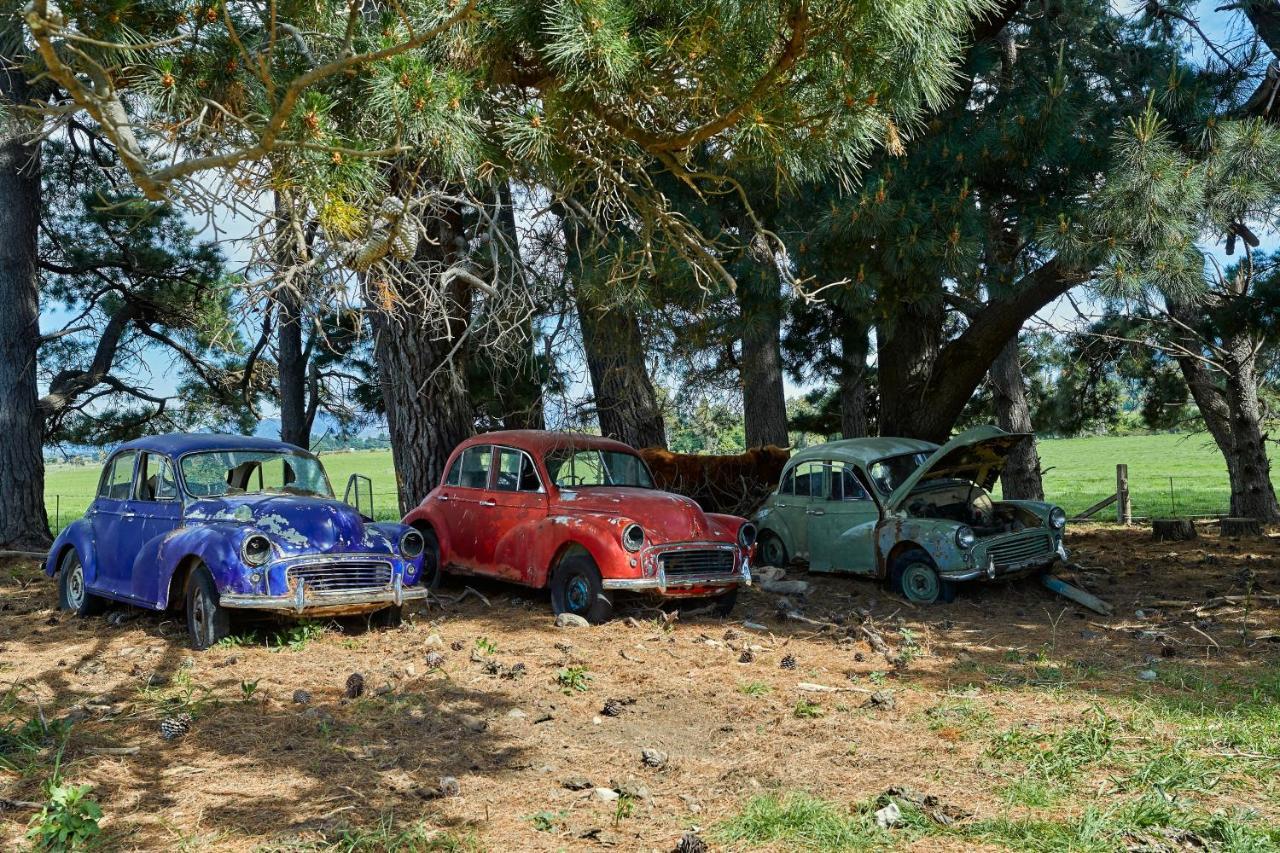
(573, 679)
(800, 820)
(68, 821)
(387, 836)
(754, 688)
(805, 709)
(486, 646)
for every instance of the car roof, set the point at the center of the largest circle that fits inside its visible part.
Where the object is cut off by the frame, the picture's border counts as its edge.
(862, 451)
(178, 443)
(539, 441)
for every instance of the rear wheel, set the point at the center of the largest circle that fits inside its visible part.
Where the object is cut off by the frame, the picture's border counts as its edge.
(771, 551)
(208, 622)
(916, 577)
(73, 591)
(576, 588)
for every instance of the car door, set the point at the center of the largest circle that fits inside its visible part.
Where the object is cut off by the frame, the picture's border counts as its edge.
(842, 524)
(807, 478)
(519, 500)
(158, 513)
(117, 530)
(466, 491)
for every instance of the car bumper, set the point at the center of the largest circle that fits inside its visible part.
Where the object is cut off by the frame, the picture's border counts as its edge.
(303, 601)
(662, 582)
(991, 571)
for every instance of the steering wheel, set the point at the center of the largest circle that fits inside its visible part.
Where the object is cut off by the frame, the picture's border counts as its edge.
(569, 480)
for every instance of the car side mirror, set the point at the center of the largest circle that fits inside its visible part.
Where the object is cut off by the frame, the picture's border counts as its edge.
(359, 494)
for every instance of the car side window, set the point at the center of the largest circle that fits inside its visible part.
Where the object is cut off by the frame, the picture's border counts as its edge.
(516, 472)
(117, 479)
(476, 462)
(788, 486)
(155, 479)
(455, 472)
(811, 479)
(845, 485)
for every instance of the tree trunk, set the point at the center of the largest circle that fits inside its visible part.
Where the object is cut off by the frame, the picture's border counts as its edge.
(23, 522)
(1252, 493)
(626, 402)
(292, 359)
(853, 381)
(1020, 479)
(424, 391)
(908, 346)
(764, 401)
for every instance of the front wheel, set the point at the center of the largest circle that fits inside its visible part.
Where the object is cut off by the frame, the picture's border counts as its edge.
(722, 605)
(771, 551)
(431, 571)
(916, 577)
(73, 592)
(208, 622)
(576, 588)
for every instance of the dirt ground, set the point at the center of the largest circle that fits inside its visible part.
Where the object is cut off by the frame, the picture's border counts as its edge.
(720, 698)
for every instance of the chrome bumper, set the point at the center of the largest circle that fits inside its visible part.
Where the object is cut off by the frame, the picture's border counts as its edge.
(300, 600)
(991, 572)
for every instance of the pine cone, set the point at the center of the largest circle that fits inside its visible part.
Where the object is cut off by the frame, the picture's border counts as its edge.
(747, 656)
(172, 728)
(355, 685)
(434, 660)
(691, 843)
(788, 662)
(612, 708)
(301, 697)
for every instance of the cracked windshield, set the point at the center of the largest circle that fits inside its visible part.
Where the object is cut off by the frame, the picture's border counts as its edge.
(244, 471)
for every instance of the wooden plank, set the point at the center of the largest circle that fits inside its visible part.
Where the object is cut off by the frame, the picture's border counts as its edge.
(1076, 594)
(1100, 505)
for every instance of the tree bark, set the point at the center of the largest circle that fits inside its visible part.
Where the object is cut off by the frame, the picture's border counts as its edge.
(1020, 479)
(291, 359)
(626, 402)
(23, 521)
(764, 401)
(424, 390)
(853, 381)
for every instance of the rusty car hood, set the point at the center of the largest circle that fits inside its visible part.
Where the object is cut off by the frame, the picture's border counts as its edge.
(665, 517)
(977, 455)
(296, 523)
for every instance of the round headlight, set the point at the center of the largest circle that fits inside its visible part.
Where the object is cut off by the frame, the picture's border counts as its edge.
(256, 550)
(965, 537)
(633, 537)
(1057, 518)
(747, 535)
(411, 545)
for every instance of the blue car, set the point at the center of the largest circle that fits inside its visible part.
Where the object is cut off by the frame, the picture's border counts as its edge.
(213, 524)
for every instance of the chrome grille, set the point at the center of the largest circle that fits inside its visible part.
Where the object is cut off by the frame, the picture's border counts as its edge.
(341, 577)
(697, 561)
(1020, 549)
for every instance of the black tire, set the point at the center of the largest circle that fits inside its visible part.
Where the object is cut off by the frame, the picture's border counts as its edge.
(208, 622)
(722, 605)
(387, 617)
(576, 588)
(915, 576)
(431, 570)
(73, 594)
(770, 550)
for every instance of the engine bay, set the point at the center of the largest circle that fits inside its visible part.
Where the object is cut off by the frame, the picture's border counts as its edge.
(969, 503)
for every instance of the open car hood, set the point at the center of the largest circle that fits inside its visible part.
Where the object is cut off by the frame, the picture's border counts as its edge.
(977, 455)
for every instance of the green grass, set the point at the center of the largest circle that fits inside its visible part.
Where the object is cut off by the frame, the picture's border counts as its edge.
(1082, 472)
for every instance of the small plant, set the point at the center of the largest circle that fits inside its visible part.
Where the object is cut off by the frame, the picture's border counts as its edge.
(248, 688)
(68, 821)
(545, 821)
(574, 679)
(754, 688)
(877, 678)
(296, 637)
(623, 808)
(808, 710)
(234, 641)
(910, 649)
(486, 646)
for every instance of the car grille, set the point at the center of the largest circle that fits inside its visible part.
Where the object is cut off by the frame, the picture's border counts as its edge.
(341, 577)
(1020, 550)
(697, 562)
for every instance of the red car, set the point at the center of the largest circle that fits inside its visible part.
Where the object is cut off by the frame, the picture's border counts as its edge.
(579, 514)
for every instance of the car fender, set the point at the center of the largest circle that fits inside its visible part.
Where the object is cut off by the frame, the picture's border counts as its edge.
(429, 514)
(216, 545)
(936, 537)
(77, 535)
(769, 519)
(725, 526)
(554, 535)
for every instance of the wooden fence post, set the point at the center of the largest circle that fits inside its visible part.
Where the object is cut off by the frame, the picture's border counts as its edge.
(1124, 508)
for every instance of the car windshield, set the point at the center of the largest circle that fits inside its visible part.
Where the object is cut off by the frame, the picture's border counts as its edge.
(888, 474)
(238, 472)
(574, 468)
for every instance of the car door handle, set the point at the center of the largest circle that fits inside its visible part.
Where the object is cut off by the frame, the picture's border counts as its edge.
(815, 512)
(442, 497)
(127, 514)
(779, 504)
(488, 503)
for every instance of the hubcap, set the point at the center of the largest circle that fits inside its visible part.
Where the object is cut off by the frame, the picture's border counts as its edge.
(577, 593)
(75, 585)
(920, 583)
(773, 552)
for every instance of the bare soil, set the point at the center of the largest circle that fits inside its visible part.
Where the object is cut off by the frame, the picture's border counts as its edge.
(258, 769)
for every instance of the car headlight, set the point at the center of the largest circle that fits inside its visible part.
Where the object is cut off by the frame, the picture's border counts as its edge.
(256, 550)
(965, 537)
(1057, 518)
(633, 537)
(411, 545)
(747, 535)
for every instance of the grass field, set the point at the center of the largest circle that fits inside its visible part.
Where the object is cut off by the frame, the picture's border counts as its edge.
(1081, 471)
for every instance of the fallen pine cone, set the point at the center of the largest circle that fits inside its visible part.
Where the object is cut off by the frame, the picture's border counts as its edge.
(746, 657)
(172, 728)
(788, 662)
(691, 843)
(355, 685)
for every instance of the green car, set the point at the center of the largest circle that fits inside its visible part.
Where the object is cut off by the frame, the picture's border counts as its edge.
(916, 513)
